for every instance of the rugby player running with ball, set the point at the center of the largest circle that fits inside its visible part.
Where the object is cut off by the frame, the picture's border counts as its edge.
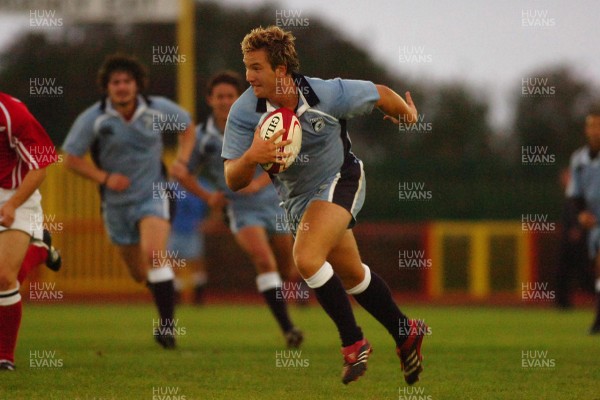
(324, 194)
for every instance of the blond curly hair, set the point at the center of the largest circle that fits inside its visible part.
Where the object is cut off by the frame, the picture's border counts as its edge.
(278, 44)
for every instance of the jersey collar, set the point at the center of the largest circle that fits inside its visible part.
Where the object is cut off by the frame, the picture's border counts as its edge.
(211, 128)
(586, 158)
(308, 97)
(142, 106)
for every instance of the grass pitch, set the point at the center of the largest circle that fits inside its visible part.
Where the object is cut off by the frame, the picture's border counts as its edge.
(106, 352)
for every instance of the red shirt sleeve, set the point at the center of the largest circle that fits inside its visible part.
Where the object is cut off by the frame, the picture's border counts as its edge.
(30, 140)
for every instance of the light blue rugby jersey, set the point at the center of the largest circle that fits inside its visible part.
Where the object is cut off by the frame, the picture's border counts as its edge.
(133, 148)
(585, 179)
(207, 153)
(323, 107)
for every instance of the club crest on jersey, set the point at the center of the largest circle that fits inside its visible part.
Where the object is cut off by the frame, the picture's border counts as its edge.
(317, 123)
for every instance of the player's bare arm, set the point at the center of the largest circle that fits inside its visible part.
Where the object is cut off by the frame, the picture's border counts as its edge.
(190, 184)
(257, 184)
(30, 184)
(215, 200)
(185, 146)
(81, 166)
(394, 106)
(240, 172)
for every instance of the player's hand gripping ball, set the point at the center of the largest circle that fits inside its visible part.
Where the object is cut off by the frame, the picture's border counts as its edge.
(282, 118)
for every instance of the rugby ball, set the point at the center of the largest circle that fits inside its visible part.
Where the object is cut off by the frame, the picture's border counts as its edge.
(282, 118)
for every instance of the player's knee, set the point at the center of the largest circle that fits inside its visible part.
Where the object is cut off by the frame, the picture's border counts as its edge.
(351, 278)
(288, 272)
(306, 263)
(7, 281)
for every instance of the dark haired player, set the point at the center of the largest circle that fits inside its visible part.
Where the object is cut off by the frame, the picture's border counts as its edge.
(324, 194)
(124, 131)
(23, 242)
(253, 212)
(584, 191)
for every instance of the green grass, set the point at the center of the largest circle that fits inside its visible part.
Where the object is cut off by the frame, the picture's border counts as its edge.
(229, 352)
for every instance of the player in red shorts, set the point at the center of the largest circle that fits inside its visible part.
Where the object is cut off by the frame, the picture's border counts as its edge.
(22, 171)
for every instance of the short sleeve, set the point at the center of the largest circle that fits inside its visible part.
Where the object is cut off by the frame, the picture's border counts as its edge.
(175, 112)
(80, 136)
(238, 136)
(350, 98)
(33, 144)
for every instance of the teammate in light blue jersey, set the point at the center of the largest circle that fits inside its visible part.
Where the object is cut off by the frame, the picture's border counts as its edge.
(584, 191)
(124, 132)
(255, 218)
(187, 242)
(323, 191)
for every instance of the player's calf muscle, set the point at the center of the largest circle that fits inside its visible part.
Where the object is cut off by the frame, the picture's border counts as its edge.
(263, 260)
(137, 272)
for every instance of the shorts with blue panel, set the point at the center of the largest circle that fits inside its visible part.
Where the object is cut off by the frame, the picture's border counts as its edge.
(122, 221)
(261, 209)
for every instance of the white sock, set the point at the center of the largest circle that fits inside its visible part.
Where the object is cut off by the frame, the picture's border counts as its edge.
(361, 287)
(156, 275)
(268, 281)
(320, 277)
(10, 296)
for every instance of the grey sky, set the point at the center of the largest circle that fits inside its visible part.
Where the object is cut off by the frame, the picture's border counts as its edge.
(482, 42)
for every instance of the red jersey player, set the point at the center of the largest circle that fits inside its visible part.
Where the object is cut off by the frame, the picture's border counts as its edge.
(25, 152)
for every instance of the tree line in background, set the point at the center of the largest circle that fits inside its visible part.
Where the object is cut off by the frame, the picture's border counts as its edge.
(469, 170)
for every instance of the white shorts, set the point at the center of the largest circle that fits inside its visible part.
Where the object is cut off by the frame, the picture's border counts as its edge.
(29, 218)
